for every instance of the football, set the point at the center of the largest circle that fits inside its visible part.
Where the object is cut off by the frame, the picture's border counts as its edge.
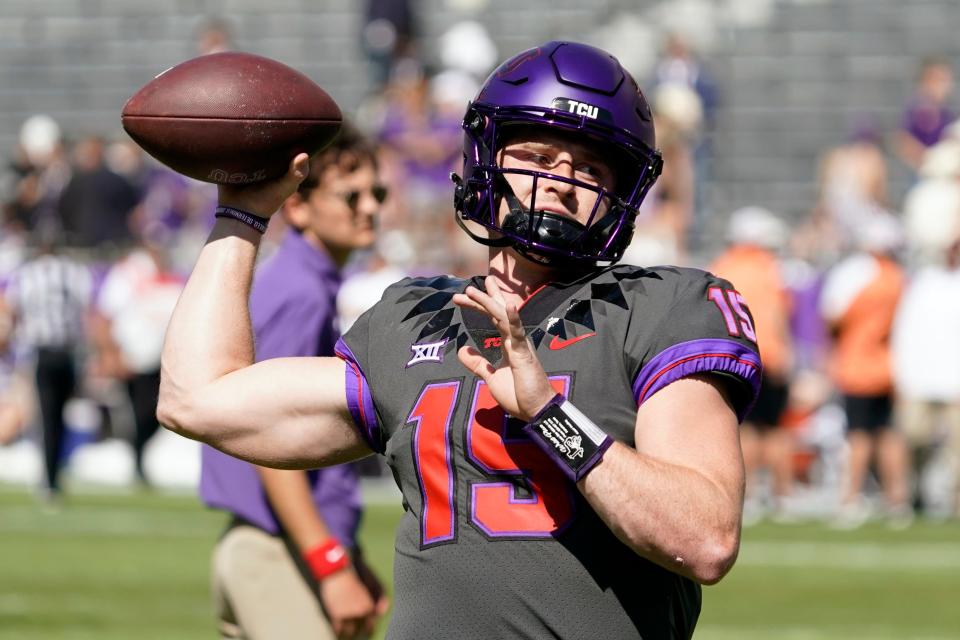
(231, 118)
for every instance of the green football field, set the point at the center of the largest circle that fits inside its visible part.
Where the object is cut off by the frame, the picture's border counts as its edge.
(118, 567)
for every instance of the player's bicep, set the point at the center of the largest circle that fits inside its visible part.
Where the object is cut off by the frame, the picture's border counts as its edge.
(692, 423)
(283, 412)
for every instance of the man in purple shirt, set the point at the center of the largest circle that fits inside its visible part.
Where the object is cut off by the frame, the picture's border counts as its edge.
(928, 113)
(288, 566)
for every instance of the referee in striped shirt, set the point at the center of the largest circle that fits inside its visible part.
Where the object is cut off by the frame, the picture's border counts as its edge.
(50, 295)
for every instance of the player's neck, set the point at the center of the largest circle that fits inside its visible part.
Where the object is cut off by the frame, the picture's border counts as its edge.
(518, 277)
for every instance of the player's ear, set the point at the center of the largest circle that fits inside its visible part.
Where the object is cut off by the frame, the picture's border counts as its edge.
(296, 211)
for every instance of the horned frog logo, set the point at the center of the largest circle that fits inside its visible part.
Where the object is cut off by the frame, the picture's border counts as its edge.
(574, 450)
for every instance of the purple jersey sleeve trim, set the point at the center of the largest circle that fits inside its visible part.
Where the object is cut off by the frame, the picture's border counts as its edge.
(700, 356)
(359, 400)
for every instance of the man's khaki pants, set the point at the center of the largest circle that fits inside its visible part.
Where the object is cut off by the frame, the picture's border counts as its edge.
(259, 593)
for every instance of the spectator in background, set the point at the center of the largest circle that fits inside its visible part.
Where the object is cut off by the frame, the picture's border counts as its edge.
(931, 209)
(466, 47)
(96, 204)
(678, 68)
(420, 137)
(389, 34)
(421, 144)
(926, 356)
(388, 262)
(214, 35)
(38, 174)
(928, 113)
(289, 565)
(127, 325)
(16, 393)
(667, 212)
(49, 296)
(859, 300)
(752, 265)
(853, 179)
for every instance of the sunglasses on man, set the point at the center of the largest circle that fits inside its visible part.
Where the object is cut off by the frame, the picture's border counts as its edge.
(352, 198)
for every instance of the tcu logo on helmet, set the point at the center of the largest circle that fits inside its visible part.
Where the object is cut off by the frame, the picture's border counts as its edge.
(583, 109)
(578, 108)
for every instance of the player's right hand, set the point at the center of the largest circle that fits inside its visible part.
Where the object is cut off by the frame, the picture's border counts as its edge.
(518, 383)
(349, 605)
(264, 198)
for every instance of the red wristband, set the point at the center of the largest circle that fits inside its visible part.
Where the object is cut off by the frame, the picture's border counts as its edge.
(327, 558)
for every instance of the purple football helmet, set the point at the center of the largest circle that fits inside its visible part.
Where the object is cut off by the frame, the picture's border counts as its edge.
(569, 87)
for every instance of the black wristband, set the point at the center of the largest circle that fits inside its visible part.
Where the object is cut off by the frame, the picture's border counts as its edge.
(570, 438)
(256, 222)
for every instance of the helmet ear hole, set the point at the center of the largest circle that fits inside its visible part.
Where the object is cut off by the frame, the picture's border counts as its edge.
(473, 121)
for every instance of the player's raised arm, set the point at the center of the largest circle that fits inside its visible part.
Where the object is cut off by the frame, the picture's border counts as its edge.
(287, 412)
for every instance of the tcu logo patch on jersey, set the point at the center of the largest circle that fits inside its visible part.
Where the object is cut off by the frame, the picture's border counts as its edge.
(429, 352)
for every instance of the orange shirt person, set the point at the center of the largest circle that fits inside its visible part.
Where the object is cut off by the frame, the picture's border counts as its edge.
(751, 264)
(859, 302)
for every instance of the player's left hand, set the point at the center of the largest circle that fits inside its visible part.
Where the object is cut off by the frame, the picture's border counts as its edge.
(519, 383)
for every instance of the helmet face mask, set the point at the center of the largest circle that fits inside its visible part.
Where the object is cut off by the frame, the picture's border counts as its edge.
(576, 92)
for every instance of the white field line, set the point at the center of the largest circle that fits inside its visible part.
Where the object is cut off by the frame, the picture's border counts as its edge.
(787, 632)
(853, 555)
(865, 556)
(102, 521)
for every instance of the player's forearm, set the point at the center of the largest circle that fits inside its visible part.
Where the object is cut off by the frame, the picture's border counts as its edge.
(667, 513)
(209, 333)
(289, 495)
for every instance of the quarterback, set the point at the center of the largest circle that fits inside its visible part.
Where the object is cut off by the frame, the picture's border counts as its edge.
(563, 429)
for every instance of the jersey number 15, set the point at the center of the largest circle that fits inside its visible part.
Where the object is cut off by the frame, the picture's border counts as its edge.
(495, 507)
(734, 309)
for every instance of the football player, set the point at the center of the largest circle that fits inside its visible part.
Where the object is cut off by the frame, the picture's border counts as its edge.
(563, 430)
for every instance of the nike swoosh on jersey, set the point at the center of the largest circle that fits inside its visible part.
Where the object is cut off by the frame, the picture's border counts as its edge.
(557, 344)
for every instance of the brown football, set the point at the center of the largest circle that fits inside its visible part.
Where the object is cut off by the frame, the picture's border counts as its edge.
(231, 118)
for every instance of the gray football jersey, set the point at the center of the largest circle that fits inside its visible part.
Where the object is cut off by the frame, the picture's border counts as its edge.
(495, 542)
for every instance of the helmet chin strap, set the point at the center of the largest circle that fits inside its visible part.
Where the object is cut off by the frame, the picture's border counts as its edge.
(550, 229)
(487, 242)
(553, 230)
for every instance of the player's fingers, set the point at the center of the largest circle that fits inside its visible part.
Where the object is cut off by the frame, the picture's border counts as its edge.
(516, 344)
(350, 629)
(515, 324)
(369, 624)
(494, 309)
(493, 288)
(462, 300)
(475, 363)
(480, 297)
(383, 605)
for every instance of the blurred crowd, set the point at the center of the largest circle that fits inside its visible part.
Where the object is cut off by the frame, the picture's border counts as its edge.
(857, 315)
(855, 305)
